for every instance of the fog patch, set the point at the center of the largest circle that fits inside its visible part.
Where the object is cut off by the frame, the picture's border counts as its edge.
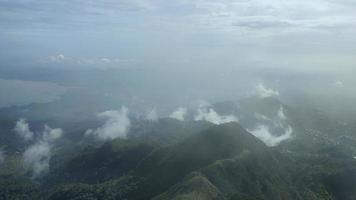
(116, 126)
(261, 117)
(202, 103)
(209, 114)
(263, 92)
(267, 126)
(22, 128)
(263, 133)
(152, 115)
(20, 92)
(339, 84)
(179, 114)
(51, 134)
(37, 156)
(56, 58)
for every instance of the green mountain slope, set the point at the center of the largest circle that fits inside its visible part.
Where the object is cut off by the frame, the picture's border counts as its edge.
(167, 166)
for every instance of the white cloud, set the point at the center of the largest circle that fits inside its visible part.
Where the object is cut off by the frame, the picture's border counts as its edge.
(57, 58)
(152, 115)
(116, 125)
(23, 130)
(261, 117)
(111, 6)
(51, 134)
(202, 12)
(203, 103)
(37, 156)
(276, 123)
(179, 114)
(339, 84)
(281, 114)
(255, 23)
(105, 60)
(208, 114)
(291, 15)
(263, 133)
(263, 92)
(101, 63)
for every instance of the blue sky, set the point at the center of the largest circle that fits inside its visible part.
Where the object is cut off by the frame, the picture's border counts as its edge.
(295, 34)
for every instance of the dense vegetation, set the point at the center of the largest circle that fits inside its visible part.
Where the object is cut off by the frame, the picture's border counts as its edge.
(171, 159)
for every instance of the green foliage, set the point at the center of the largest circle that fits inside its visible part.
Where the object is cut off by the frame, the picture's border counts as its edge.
(96, 165)
(18, 189)
(171, 161)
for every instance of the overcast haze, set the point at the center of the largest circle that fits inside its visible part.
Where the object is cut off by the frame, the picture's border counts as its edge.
(178, 99)
(295, 34)
(145, 53)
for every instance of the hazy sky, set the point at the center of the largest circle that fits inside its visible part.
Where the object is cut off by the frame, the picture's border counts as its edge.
(295, 34)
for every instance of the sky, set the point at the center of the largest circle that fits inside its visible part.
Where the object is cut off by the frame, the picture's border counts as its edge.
(294, 34)
(155, 51)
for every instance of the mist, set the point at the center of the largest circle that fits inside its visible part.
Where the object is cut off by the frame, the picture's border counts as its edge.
(116, 125)
(208, 114)
(153, 99)
(23, 130)
(179, 114)
(37, 154)
(152, 115)
(263, 133)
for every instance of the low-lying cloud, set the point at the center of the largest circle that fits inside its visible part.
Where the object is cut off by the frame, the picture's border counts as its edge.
(22, 128)
(56, 58)
(281, 114)
(209, 114)
(37, 156)
(116, 126)
(263, 92)
(152, 115)
(266, 124)
(95, 62)
(263, 133)
(339, 84)
(179, 114)
(51, 134)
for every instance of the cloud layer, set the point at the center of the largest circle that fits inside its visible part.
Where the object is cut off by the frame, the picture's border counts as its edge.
(271, 33)
(250, 14)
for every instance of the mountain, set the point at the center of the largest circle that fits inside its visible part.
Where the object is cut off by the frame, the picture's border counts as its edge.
(98, 164)
(224, 162)
(166, 131)
(169, 165)
(171, 159)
